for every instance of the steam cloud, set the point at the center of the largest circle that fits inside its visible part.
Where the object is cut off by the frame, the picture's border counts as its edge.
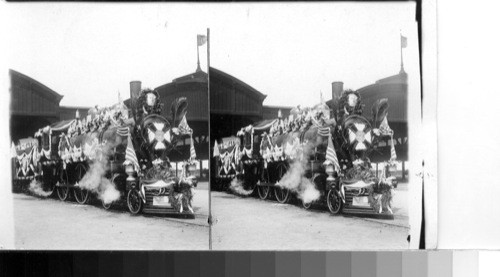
(237, 187)
(295, 181)
(36, 188)
(95, 181)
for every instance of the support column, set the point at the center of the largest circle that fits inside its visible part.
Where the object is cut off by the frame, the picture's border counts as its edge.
(201, 167)
(403, 176)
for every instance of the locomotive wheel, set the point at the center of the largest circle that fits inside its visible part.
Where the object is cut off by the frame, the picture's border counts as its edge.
(81, 195)
(282, 195)
(134, 201)
(263, 191)
(106, 206)
(63, 193)
(52, 189)
(306, 206)
(334, 202)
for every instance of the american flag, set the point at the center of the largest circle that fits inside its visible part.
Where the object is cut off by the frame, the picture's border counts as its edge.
(387, 131)
(393, 150)
(331, 156)
(130, 154)
(193, 152)
(384, 127)
(201, 39)
(404, 41)
(184, 127)
(216, 150)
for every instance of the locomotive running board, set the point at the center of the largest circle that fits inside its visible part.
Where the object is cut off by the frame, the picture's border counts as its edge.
(262, 184)
(367, 213)
(166, 211)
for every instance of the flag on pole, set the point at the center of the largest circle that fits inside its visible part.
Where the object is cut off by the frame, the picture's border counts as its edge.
(393, 151)
(202, 39)
(387, 131)
(384, 127)
(184, 127)
(216, 150)
(331, 156)
(193, 152)
(130, 155)
(13, 152)
(404, 41)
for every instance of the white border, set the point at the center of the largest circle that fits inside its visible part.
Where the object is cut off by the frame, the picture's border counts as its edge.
(429, 121)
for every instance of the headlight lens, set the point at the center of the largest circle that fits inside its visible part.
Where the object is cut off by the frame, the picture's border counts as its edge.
(129, 169)
(329, 169)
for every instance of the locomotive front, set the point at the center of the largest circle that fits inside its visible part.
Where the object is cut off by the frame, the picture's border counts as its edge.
(352, 185)
(151, 185)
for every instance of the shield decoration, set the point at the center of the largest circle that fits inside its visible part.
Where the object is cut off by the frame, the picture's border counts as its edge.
(358, 133)
(156, 132)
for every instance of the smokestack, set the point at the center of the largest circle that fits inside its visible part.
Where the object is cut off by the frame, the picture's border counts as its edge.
(337, 89)
(135, 92)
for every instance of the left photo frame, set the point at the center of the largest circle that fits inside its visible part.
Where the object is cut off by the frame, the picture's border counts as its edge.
(108, 120)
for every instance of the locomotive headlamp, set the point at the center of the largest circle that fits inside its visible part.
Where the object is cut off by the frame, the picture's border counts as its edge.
(191, 167)
(329, 169)
(129, 169)
(150, 99)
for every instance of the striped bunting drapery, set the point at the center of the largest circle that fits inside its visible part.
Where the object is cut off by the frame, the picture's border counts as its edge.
(324, 131)
(61, 125)
(122, 131)
(264, 124)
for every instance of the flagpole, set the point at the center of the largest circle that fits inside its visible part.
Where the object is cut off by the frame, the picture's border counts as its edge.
(198, 54)
(209, 152)
(401, 49)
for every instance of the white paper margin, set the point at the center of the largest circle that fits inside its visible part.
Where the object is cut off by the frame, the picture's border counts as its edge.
(429, 121)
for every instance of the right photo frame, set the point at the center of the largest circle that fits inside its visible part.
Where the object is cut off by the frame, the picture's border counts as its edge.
(315, 118)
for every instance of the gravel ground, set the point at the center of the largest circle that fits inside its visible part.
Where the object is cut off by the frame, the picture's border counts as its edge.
(254, 224)
(51, 224)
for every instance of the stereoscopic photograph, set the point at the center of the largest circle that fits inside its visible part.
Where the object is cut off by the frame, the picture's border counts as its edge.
(277, 126)
(109, 126)
(311, 127)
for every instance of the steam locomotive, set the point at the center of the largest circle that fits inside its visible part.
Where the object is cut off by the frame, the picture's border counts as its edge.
(318, 155)
(115, 154)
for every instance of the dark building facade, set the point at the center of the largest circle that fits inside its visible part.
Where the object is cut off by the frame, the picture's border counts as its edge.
(395, 89)
(195, 88)
(33, 105)
(235, 104)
